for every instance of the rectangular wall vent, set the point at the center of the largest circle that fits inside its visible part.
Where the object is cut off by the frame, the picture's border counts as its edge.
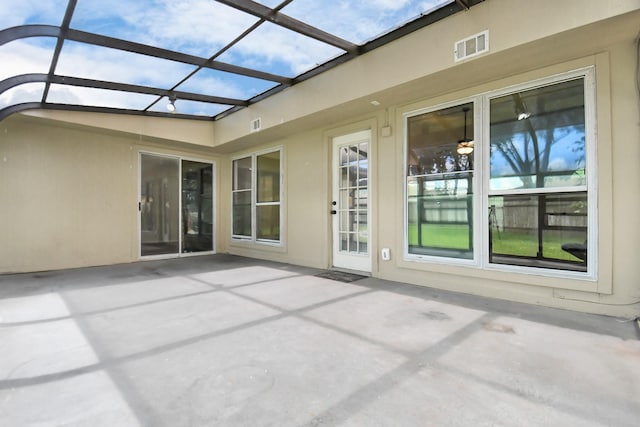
(256, 124)
(471, 46)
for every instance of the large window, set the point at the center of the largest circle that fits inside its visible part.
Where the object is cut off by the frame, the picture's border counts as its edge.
(257, 197)
(538, 178)
(532, 152)
(440, 182)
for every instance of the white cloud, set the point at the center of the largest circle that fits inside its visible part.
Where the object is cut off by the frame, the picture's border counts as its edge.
(19, 12)
(215, 86)
(87, 61)
(390, 4)
(97, 97)
(271, 45)
(22, 57)
(358, 20)
(29, 92)
(199, 27)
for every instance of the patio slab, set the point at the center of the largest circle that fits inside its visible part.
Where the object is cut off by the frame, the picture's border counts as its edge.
(229, 341)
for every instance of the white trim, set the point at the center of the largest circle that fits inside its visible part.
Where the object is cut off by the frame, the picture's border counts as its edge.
(541, 190)
(588, 76)
(541, 82)
(475, 186)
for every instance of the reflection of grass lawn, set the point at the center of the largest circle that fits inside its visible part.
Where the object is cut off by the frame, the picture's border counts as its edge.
(506, 242)
(524, 244)
(450, 236)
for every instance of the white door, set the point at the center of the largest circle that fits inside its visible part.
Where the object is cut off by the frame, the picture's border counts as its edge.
(351, 201)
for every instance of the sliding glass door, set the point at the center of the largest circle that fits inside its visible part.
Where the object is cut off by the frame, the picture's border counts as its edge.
(176, 206)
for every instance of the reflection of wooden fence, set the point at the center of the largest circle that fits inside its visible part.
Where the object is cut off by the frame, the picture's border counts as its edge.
(522, 212)
(517, 214)
(439, 211)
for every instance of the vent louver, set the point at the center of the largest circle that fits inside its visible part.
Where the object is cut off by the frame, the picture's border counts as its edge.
(256, 124)
(471, 46)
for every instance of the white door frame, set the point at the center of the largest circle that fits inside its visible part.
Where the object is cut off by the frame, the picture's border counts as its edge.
(359, 258)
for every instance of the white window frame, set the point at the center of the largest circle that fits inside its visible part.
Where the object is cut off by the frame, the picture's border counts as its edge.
(254, 195)
(588, 74)
(478, 164)
(481, 179)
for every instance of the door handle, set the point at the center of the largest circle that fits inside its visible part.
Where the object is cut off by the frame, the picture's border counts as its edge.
(333, 212)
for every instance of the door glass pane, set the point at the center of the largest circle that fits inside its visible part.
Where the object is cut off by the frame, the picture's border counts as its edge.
(159, 205)
(344, 221)
(344, 177)
(344, 242)
(364, 163)
(353, 242)
(344, 156)
(197, 206)
(440, 182)
(362, 243)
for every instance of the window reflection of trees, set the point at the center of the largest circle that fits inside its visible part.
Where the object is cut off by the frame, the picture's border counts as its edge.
(546, 148)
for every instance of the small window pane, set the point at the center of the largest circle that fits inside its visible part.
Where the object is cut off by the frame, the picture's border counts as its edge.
(538, 138)
(362, 244)
(242, 213)
(353, 242)
(242, 174)
(548, 231)
(344, 221)
(344, 177)
(268, 222)
(344, 242)
(269, 177)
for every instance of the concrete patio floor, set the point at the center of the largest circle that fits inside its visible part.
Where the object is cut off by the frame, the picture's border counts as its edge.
(223, 340)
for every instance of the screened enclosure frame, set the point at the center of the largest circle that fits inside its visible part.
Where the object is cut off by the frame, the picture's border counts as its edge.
(64, 33)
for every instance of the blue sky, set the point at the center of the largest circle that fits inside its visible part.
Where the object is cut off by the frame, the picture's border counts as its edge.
(197, 27)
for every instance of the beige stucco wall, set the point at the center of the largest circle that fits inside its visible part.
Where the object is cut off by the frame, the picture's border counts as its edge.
(193, 132)
(305, 206)
(69, 193)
